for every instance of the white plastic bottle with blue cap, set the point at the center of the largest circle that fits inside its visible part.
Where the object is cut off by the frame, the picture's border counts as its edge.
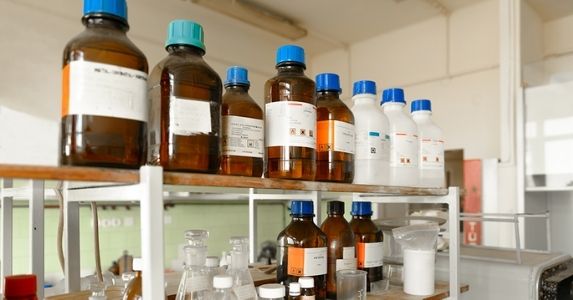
(371, 161)
(403, 139)
(431, 145)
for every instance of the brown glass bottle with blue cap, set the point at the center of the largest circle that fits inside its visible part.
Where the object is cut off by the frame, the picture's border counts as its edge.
(302, 249)
(242, 130)
(104, 84)
(368, 241)
(335, 132)
(290, 118)
(185, 92)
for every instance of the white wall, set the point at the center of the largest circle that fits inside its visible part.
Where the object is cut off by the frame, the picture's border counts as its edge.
(34, 33)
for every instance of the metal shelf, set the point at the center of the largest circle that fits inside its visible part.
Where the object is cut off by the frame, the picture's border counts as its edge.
(151, 187)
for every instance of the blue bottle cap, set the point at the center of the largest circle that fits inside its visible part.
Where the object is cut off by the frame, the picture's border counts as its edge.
(237, 75)
(301, 207)
(421, 104)
(364, 87)
(185, 32)
(393, 95)
(116, 8)
(328, 82)
(290, 53)
(361, 208)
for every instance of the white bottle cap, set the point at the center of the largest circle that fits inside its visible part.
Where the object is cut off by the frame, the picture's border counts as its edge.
(272, 291)
(306, 282)
(212, 262)
(294, 288)
(223, 281)
(137, 264)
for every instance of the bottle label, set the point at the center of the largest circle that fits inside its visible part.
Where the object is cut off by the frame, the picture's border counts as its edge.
(242, 136)
(290, 123)
(348, 252)
(404, 150)
(197, 284)
(431, 154)
(245, 292)
(335, 135)
(307, 297)
(307, 261)
(105, 90)
(348, 260)
(189, 116)
(370, 255)
(372, 145)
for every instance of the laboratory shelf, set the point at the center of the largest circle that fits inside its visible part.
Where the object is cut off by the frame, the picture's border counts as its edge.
(150, 187)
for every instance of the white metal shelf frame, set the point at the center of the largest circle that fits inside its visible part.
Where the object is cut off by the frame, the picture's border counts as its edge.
(149, 192)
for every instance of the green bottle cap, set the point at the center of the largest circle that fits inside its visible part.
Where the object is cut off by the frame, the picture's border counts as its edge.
(185, 32)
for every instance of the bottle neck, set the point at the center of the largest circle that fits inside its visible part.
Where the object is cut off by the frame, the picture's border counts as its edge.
(239, 260)
(238, 88)
(291, 67)
(328, 94)
(302, 218)
(105, 22)
(422, 115)
(362, 217)
(364, 99)
(393, 106)
(335, 215)
(186, 49)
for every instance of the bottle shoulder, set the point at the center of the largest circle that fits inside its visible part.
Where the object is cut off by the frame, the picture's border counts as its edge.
(303, 234)
(333, 109)
(92, 45)
(240, 104)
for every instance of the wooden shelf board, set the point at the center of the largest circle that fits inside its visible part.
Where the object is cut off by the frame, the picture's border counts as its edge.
(92, 174)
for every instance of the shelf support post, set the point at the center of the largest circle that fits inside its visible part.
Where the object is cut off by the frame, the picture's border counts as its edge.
(36, 212)
(252, 226)
(71, 242)
(316, 197)
(453, 200)
(7, 217)
(152, 241)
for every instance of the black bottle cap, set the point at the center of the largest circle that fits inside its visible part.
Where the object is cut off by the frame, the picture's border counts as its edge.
(336, 207)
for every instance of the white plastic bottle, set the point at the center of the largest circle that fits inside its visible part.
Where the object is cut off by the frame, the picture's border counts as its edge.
(272, 291)
(431, 145)
(223, 288)
(371, 161)
(403, 139)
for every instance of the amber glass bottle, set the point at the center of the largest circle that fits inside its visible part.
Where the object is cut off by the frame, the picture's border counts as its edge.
(104, 103)
(341, 251)
(307, 291)
(134, 289)
(302, 249)
(290, 118)
(335, 132)
(185, 96)
(242, 130)
(369, 249)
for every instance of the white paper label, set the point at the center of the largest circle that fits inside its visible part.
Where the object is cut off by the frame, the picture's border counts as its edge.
(348, 252)
(335, 136)
(242, 136)
(290, 123)
(372, 145)
(188, 116)
(346, 264)
(245, 292)
(105, 90)
(372, 255)
(404, 150)
(197, 284)
(307, 297)
(431, 154)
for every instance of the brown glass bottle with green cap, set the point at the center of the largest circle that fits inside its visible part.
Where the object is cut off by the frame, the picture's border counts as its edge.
(185, 92)
(341, 251)
(335, 132)
(104, 102)
(242, 131)
(290, 118)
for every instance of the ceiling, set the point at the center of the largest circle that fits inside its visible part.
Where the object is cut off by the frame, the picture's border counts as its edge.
(346, 21)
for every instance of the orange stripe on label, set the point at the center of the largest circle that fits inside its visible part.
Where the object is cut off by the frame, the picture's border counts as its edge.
(360, 254)
(325, 136)
(66, 90)
(295, 265)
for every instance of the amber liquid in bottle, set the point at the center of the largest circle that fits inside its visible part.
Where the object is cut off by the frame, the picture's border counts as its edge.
(331, 165)
(300, 233)
(134, 289)
(340, 239)
(290, 162)
(365, 231)
(237, 102)
(182, 76)
(91, 140)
